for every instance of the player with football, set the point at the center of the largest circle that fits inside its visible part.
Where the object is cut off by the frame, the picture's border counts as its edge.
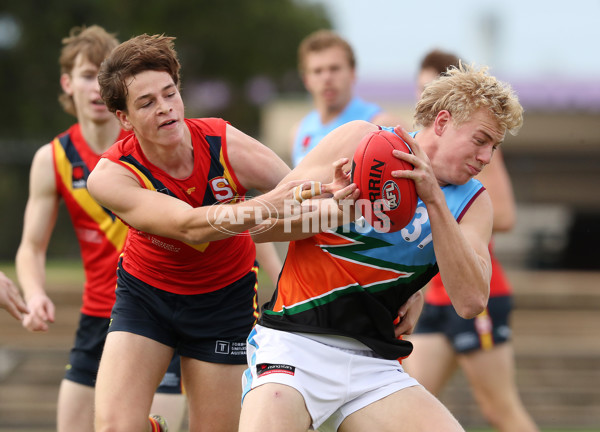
(325, 351)
(481, 346)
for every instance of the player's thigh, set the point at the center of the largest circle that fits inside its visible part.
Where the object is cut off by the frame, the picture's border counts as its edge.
(490, 372)
(214, 392)
(432, 361)
(412, 409)
(75, 407)
(274, 407)
(130, 370)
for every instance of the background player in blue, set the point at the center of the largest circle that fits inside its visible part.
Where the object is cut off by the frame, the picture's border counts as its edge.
(327, 66)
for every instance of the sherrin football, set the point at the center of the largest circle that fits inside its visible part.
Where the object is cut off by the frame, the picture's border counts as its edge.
(388, 204)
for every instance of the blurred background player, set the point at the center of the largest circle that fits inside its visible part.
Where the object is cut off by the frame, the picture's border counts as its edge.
(327, 66)
(480, 346)
(10, 298)
(59, 171)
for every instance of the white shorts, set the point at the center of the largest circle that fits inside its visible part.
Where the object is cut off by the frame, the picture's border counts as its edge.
(336, 376)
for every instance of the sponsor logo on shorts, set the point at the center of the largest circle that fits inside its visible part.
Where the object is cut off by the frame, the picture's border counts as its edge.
(263, 369)
(230, 348)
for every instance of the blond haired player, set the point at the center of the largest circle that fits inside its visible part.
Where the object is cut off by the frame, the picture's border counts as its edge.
(325, 351)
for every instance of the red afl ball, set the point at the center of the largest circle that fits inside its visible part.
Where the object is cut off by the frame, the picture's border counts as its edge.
(388, 204)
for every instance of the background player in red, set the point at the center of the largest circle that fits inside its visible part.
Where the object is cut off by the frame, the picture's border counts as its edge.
(59, 172)
(481, 346)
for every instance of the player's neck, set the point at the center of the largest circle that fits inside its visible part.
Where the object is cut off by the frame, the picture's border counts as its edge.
(330, 113)
(176, 159)
(100, 136)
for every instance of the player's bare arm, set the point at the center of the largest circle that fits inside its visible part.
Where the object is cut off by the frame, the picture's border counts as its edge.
(328, 164)
(255, 165)
(39, 221)
(461, 252)
(340, 143)
(10, 298)
(159, 214)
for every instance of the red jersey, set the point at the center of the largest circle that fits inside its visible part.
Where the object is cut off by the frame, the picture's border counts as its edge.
(172, 265)
(100, 234)
(499, 285)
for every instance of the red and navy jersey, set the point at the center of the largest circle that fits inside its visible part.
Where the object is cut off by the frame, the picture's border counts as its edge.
(100, 234)
(172, 265)
(499, 285)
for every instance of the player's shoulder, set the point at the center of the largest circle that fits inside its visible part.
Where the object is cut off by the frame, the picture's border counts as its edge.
(43, 155)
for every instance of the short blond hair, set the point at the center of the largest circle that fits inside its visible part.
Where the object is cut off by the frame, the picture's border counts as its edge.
(465, 89)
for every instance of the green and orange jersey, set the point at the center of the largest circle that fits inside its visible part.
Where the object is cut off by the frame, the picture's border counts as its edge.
(100, 234)
(172, 265)
(352, 282)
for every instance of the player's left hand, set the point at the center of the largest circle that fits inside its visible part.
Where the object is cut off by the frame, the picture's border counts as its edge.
(408, 314)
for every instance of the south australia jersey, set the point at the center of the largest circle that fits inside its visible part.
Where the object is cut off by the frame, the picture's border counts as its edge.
(352, 281)
(170, 264)
(100, 234)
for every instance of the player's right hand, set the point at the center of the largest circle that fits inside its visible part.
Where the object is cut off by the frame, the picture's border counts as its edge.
(41, 312)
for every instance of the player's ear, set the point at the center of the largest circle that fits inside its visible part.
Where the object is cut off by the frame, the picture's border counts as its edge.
(441, 122)
(124, 119)
(65, 83)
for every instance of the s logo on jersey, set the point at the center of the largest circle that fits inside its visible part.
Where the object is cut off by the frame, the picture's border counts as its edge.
(221, 188)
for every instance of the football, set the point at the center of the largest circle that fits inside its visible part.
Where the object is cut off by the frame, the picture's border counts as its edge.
(388, 204)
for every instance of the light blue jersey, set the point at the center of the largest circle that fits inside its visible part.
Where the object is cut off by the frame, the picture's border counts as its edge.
(312, 131)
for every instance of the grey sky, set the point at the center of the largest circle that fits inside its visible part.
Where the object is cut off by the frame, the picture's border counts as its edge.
(518, 38)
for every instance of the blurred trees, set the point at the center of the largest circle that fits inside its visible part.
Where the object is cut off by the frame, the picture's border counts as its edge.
(228, 42)
(235, 55)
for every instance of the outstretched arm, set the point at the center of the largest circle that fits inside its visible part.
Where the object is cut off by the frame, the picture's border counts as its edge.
(10, 298)
(255, 166)
(329, 164)
(38, 224)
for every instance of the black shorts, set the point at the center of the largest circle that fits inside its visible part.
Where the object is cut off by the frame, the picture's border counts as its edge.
(482, 332)
(211, 327)
(84, 358)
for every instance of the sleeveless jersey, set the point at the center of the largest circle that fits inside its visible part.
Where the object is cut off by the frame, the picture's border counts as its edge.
(100, 234)
(172, 265)
(499, 285)
(352, 282)
(311, 131)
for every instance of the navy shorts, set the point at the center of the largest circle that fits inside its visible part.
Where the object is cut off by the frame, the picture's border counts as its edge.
(84, 358)
(210, 327)
(482, 332)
